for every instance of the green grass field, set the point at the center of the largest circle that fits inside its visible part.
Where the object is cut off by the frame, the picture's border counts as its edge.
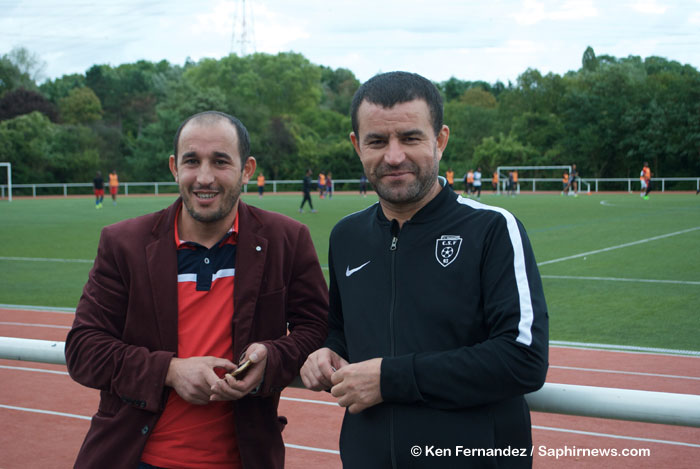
(643, 294)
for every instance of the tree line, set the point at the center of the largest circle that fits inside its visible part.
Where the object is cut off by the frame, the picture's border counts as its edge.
(608, 117)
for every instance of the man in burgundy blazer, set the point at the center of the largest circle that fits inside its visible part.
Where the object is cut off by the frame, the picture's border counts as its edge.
(125, 332)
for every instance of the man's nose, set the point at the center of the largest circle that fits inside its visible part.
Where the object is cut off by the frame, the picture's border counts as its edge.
(394, 154)
(205, 174)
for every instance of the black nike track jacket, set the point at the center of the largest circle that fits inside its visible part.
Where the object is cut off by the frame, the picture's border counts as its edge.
(453, 303)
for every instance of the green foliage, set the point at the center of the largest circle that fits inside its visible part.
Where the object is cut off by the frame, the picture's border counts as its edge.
(607, 117)
(501, 151)
(40, 150)
(59, 88)
(81, 106)
(11, 77)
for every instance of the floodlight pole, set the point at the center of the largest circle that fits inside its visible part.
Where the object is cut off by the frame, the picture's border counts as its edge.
(9, 180)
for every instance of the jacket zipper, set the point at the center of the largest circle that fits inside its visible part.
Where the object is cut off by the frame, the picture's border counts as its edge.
(392, 249)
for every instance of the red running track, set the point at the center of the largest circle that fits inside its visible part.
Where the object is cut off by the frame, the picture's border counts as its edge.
(46, 414)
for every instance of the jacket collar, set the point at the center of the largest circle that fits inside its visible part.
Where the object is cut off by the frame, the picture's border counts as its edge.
(436, 208)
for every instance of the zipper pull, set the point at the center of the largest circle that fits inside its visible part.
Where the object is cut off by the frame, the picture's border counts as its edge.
(394, 234)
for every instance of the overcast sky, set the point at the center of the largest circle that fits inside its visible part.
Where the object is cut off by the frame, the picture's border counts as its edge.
(470, 40)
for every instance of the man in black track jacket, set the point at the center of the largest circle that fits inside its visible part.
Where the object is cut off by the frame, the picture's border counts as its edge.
(438, 324)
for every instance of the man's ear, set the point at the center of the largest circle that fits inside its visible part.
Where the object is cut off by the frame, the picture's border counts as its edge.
(355, 143)
(248, 169)
(173, 166)
(442, 138)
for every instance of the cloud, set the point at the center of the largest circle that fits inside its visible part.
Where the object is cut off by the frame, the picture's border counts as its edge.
(649, 7)
(533, 11)
(694, 18)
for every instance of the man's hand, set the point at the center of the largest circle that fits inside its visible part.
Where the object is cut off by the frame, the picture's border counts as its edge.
(318, 368)
(232, 388)
(358, 386)
(192, 378)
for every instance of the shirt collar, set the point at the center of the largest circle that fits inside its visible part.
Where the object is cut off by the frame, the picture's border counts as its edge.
(231, 236)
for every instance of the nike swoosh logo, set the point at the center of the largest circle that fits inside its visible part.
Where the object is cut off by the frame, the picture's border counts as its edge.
(349, 271)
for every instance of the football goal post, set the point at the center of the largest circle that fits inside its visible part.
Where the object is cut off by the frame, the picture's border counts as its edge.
(556, 177)
(9, 181)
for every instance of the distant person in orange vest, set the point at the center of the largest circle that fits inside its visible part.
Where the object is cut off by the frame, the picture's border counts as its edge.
(113, 185)
(469, 182)
(321, 184)
(261, 184)
(515, 182)
(564, 182)
(450, 176)
(494, 181)
(647, 180)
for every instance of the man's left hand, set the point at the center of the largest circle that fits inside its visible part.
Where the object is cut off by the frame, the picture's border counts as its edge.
(358, 386)
(231, 388)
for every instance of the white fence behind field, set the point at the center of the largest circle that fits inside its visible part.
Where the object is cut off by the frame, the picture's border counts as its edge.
(524, 184)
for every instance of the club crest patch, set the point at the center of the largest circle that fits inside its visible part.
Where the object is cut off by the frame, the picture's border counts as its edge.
(447, 249)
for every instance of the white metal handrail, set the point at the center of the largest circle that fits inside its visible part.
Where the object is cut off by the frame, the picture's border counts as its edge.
(569, 399)
(277, 185)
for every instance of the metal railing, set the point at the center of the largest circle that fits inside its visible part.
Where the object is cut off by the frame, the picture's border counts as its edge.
(593, 185)
(569, 399)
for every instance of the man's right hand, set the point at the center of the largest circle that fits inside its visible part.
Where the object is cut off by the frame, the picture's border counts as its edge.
(192, 378)
(320, 365)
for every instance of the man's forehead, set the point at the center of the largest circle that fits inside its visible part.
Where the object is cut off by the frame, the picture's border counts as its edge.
(219, 129)
(213, 122)
(401, 116)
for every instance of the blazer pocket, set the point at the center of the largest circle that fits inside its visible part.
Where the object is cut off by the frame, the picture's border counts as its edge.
(109, 404)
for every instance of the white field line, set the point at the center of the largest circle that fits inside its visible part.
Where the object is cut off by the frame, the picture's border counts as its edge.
(323, 450)
(618, 372)
(310, 448)
(46, 259)
(620, 437)
(24, 324)
(45, 309)
(615, 279)
(623, 348)
(48, 412)
(309, 401)
(37, 370)
(633, 243)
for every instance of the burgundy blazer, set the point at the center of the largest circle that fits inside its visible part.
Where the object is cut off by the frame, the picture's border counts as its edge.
(125, 329)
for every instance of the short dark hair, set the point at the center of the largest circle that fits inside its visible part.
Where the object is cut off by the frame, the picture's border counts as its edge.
(214, 116)
(389, 89)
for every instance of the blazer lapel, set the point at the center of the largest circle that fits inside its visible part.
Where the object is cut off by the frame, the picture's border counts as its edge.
(251, 252)
(161, 261)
